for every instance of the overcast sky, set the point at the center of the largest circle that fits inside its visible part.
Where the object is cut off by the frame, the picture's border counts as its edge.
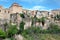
(33, 4)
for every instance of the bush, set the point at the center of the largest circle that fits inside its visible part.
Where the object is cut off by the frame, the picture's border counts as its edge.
(2, 34)
(31, 31)
(22, 15)
(54, 28)
(12, 30)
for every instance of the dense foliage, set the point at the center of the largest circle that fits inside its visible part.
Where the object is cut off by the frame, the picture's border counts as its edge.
(21, 27)
(2, 34)
(22, 15)
(53, 29)
(12, 30)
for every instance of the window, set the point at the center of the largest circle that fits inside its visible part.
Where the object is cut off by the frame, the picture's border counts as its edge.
(8, 11)
(0, 10)
(5, 11)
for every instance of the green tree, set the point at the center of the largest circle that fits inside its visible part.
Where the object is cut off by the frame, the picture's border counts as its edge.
(21, 27)
(42, 20)
(22, 15)
(35, 18)
(39, 20)
(32, 19)
(5, 26)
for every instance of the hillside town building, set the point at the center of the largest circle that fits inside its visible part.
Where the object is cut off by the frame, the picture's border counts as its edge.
(11, 14)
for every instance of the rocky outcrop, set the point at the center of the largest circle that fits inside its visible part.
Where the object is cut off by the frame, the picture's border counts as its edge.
(18, 37)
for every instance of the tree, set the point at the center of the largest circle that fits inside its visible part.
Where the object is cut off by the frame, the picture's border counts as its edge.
(35, 19)
(5, 26)
(39, 20)
(32, 21)
(22, 15)
(42, 20)
(21, 27)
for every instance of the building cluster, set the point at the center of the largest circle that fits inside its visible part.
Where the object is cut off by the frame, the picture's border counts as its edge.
(11, 14)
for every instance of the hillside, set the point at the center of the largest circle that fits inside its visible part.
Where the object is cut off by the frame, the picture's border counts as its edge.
(43, 37)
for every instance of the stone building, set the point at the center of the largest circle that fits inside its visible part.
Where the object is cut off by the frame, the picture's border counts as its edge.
(55, 12)
(42, 14)
(11, 13)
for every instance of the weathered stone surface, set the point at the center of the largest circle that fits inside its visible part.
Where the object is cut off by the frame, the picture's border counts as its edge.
(18, 37)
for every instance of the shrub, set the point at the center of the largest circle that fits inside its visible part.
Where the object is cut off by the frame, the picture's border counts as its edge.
(31, 31)
(2, 34)
(22, 15)
(12, 30)
(54, 28)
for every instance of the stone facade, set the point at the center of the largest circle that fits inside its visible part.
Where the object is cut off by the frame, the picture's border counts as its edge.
(11, 14)
(42, 14)
(55, 12)
(15, 9)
